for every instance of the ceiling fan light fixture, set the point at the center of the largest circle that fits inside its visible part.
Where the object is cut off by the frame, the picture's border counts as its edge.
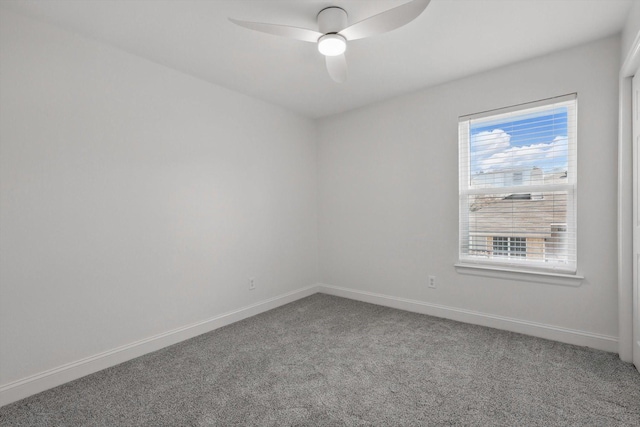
(332, 45)
(334, 31)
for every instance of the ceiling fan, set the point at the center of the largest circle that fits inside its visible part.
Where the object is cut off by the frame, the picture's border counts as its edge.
(334, 32)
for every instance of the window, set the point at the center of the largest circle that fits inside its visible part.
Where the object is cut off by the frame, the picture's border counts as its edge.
(510, 246)
(518, 186)
(517, 178)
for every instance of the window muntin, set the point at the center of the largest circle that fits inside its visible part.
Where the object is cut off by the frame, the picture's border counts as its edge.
(518, 186)
(510, 246)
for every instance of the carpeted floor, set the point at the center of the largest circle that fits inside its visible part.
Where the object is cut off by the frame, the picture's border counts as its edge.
(327, 361)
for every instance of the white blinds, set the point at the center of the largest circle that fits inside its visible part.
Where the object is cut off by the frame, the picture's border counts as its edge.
(517, 175)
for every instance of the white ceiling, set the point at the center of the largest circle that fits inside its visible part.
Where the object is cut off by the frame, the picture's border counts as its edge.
(451, 39)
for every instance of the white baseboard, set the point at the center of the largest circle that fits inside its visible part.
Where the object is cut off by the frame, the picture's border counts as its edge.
(31, 385)
(25, 387)
(541, 330)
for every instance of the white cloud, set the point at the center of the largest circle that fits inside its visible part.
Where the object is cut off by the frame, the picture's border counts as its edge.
(544, 156)
(486, 143)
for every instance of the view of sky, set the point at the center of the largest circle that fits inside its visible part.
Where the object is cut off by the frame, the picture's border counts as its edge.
(521, 141)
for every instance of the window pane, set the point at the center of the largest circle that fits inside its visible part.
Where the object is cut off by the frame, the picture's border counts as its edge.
(521, 149)
(501, 246)
(518, 246)
(518, 185)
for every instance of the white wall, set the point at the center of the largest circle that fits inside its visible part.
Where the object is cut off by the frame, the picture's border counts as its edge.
(630, 30)
(388, 191)
(136, 199)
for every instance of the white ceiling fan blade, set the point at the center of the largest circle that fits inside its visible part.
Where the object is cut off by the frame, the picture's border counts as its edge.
(337, 67)
(303, 34)
(385, 21)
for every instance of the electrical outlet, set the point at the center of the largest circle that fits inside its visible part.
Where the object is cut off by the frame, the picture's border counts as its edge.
(252, 283)
(432, 282)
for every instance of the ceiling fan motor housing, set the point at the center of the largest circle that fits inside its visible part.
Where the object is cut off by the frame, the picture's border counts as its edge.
(331, 20)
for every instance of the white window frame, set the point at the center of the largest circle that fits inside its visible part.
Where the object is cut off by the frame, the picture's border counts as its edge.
(480, 264)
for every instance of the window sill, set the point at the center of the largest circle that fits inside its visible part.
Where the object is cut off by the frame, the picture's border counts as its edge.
(520, 275)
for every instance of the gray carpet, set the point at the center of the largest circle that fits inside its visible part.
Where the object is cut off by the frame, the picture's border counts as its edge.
(327, 361)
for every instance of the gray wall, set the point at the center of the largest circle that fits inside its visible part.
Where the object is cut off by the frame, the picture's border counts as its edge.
(388, 191)
(136, 199)
(630, 30)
